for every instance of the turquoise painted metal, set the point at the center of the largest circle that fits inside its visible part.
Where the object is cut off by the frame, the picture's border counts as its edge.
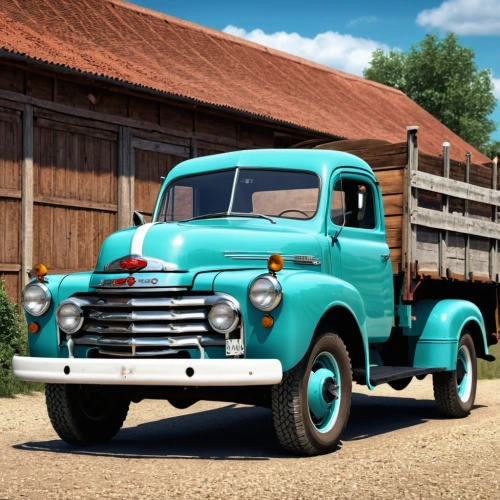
(324, 392)
(354, 274)
(437, 328)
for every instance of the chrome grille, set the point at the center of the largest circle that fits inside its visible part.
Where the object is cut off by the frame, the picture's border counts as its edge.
(146, 325)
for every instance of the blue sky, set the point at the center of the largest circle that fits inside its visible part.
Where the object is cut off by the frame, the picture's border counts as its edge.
(343, 34)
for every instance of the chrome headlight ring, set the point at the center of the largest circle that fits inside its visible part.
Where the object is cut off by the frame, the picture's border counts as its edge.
(274, 288)
(221, 303)
(45, 301)
(78, 311)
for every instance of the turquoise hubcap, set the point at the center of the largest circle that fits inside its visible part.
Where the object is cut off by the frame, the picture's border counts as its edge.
(464, 374)
(323, 392)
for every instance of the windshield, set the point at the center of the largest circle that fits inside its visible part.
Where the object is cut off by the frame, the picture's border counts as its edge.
(275, 193)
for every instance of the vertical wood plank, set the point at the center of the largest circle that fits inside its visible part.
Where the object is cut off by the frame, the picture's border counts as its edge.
(466, 214)
(443, 235)
(494, 242)
(125, 178)
(27, 195)
(410, 201)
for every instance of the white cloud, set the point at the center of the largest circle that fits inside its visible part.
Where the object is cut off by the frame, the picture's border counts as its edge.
(362, 20)
(344, 52)
(465, 17)
(496, 90)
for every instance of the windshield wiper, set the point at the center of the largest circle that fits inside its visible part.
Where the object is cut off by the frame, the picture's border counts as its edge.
(230, 214)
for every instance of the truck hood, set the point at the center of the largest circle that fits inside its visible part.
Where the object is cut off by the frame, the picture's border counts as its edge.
(202, 246)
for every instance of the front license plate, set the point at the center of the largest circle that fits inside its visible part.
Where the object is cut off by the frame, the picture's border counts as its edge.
(234, 347)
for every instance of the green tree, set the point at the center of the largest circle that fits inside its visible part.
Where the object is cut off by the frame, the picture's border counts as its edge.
(441, 76)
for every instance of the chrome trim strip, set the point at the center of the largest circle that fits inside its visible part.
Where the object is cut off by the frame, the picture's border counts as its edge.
(148, 354)
(233, 190)
(184, 341)
(296, 259)
(133, 289)
(139, 237)
(145, 329)
(148, 316)
(180, 301)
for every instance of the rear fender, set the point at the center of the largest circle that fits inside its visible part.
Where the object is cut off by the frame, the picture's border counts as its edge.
(437, 328)
(307, 297)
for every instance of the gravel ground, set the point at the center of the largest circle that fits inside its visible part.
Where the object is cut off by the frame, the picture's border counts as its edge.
(395, 446)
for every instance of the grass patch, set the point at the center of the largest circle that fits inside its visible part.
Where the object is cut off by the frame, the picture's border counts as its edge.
(13, 340)
(486, 370)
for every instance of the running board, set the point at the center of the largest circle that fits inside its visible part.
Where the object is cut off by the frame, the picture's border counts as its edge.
(383, 374)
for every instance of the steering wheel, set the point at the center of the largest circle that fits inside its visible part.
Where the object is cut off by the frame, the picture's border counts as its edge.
(292, 210)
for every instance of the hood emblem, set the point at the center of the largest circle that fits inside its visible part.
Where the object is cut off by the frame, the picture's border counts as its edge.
(138, 263)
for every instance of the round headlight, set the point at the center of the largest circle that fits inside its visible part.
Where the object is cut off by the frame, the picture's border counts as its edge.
(36, 299)
(223, 317)
(69, 317)
(265, 293)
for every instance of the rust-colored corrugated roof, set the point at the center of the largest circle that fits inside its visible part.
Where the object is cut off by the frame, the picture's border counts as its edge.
(120, 41)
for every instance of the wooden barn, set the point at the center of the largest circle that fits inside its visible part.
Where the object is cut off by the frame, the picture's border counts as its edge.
(100, 99)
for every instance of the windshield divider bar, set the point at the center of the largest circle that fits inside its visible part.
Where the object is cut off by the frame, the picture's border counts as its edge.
(231, 201)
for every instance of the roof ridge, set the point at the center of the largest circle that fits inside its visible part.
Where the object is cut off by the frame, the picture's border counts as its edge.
(257, 46)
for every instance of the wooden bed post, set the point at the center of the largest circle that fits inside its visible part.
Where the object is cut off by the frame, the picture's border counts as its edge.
(494, 241)
(410, 202)
(467, 273)
(443, 235)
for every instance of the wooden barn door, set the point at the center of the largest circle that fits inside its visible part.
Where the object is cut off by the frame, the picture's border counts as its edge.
(10, 200)
(152, 160)
(75, 193)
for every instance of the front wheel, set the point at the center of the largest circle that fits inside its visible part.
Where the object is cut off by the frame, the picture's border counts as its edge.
(311, 405)
(82, 415)
(455, 391)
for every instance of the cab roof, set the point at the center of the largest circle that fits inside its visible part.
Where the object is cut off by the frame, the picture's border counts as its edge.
(321, 162)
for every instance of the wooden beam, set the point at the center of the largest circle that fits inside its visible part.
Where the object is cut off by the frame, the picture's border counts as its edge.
(458, 189)
(6, 267)
(448, 222)
(68, 202)
(158, 147)
(27, 196)
(125, 178)
(10, 193)
(443, 238)
(494, 243)
(467, 270)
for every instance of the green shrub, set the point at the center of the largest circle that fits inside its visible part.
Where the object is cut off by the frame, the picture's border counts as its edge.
(13, 340)
(486, 370)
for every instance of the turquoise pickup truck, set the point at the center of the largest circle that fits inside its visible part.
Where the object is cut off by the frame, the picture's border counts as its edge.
(264, 278)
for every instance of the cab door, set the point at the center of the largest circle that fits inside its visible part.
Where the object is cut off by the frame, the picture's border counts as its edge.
(360, 254)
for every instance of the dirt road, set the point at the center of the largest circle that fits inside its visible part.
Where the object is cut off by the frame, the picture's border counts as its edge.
(396, 446)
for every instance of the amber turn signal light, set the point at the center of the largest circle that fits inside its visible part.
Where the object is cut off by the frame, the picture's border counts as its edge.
(40, 272)
(275, 263)
(267, 321)
(33, 328)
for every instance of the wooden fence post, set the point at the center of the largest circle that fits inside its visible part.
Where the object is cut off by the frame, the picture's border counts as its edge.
(125, 178)
(494, 242)
(27, 196)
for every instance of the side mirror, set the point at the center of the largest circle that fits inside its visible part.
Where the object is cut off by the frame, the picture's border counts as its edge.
(138, 219)
(361, 202)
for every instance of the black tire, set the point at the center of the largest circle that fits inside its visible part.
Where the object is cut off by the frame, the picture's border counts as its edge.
(80, 418)
(446, 384)
(293, 421)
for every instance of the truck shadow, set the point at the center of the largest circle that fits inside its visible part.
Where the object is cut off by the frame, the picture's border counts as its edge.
(242, 433)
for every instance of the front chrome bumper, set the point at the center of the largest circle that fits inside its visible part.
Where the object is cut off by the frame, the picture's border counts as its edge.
(167, 372)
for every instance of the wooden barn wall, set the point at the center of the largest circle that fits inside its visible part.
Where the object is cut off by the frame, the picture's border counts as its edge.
(94, 155)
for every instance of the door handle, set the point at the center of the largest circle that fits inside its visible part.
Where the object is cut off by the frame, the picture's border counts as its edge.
(386, 256)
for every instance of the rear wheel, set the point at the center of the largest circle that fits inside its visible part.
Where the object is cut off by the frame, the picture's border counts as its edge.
(311, 405)
(81, 415)
(455, 391)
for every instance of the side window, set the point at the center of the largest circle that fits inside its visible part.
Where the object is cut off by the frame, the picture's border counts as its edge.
(345, 198)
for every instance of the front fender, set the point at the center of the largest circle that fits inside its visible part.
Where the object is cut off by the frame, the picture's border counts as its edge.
(307, 296)
(437, 328)
(45, 343)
